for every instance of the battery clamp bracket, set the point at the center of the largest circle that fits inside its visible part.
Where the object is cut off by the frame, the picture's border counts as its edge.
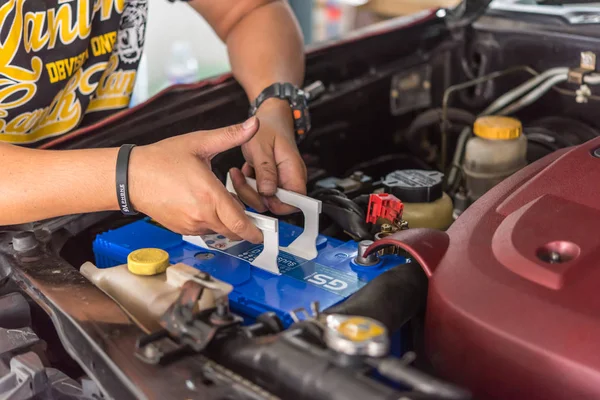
(304, 246)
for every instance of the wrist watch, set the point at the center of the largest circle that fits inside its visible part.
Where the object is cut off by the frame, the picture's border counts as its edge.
(297, 99)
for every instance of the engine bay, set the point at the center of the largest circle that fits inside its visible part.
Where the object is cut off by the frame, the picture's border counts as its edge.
(451, 174)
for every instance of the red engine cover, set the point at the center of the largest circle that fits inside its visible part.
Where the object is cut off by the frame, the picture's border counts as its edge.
(503, 320)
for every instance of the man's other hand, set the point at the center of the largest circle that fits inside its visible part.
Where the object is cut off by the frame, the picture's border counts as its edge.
(172, 182)
(273, 158)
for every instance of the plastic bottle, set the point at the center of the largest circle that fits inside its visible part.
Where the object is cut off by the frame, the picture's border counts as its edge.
(145, 290)
(497, 150)
(182, 66)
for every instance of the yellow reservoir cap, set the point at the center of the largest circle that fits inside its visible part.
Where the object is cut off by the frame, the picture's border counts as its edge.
(495, 127)
(147, 261)
(359, 329)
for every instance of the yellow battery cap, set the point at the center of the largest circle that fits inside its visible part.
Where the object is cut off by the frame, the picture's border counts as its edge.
(147, 261)
(495, 127)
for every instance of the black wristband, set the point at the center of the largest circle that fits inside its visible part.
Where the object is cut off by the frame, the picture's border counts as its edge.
(123, 181)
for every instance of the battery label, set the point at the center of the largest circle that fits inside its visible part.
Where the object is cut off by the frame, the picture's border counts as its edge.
(285, 261)
(312, 273)
(329, 279)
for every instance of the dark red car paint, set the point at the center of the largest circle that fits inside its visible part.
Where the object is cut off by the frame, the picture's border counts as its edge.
(500, 319)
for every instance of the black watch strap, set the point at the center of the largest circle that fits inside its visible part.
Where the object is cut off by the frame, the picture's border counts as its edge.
(122, 179)
(297, 101)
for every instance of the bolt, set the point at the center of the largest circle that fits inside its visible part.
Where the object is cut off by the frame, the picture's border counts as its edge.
(221, 314)
(555, 257)
(222, 309)
(386, 228)
(24, 241)
(369, 260)
(150, 352)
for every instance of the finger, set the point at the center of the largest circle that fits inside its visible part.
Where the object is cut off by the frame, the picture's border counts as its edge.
(248, 170)
(215, 225)
(292, 174)
(277, 207)
(246, 192)
(266, 171)
(221, 229)
(237, 199)
(233, 217)
(210, 143)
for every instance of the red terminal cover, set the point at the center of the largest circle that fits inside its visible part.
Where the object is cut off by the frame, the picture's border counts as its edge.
(386, 206)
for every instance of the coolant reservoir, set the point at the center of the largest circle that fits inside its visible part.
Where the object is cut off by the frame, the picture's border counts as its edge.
(497, 150)
(425, 203)
(146, 286)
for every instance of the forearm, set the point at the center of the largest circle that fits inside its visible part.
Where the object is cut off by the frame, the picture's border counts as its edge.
(266, 47)
(39, 184)
(263, 39)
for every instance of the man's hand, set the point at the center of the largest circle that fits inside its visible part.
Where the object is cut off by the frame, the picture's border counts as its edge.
(273, 158)
(172, 182)
(265, 46)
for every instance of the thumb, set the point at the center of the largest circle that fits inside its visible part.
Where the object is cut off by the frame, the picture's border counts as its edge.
(211, 143)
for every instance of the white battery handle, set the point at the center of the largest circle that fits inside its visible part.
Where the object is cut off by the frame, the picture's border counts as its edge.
(305, 245)
(267, 259)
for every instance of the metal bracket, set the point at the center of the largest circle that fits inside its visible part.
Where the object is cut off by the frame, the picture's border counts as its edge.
(26, 379)
(305, 245)
(587, 65)
(314, 314)
(184, 329)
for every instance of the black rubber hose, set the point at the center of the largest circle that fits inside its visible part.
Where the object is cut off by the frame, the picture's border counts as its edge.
(344, 212)
(362, 201)
(434, 117)
(334, 196)
(297, 372)
(295, 365)
(393, 369)
(349, 221)
(392, 298)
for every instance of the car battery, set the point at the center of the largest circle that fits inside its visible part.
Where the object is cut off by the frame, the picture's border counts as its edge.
(328, 279)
